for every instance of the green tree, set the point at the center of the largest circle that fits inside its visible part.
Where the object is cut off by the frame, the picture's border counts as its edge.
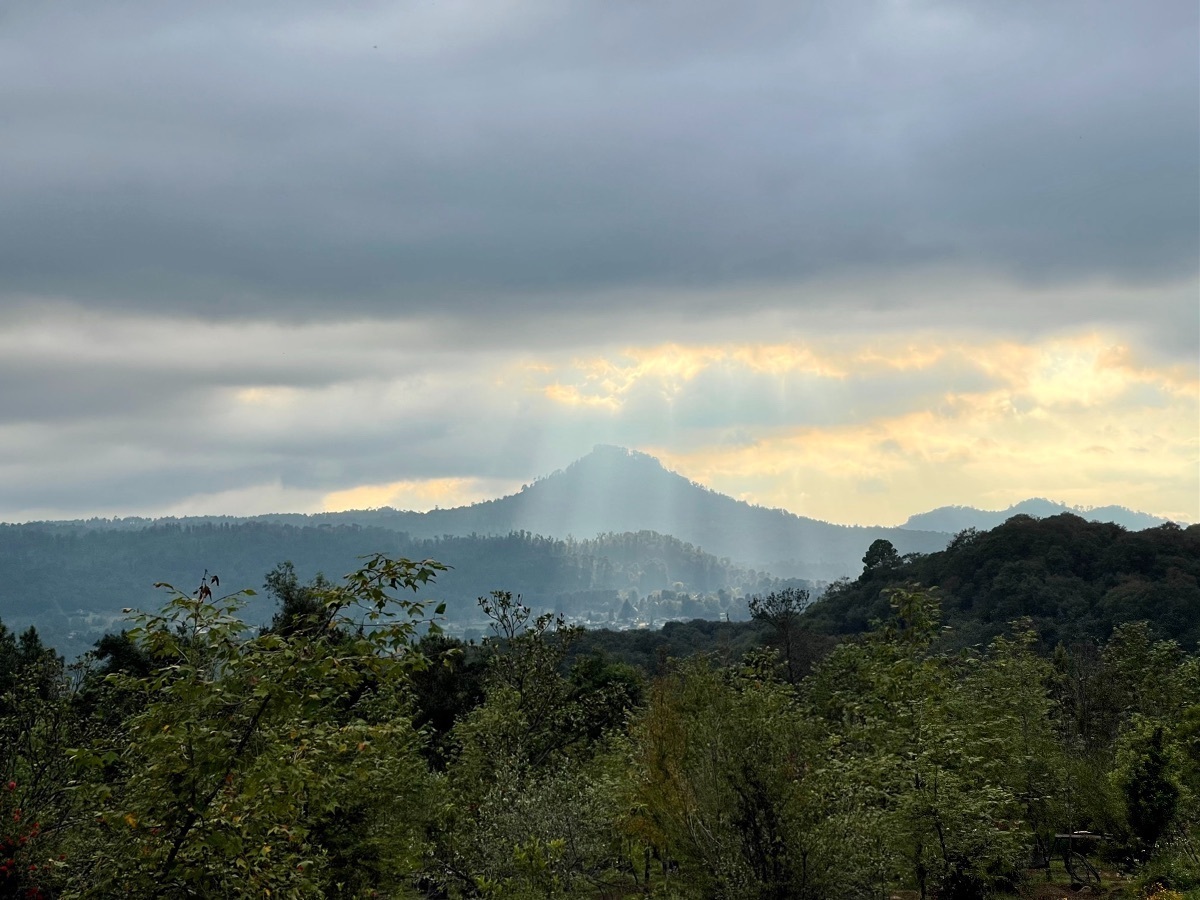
(781, 610)
(301, 606)
(532, 790)
(38, 721)
(445, 693)
(915, 755)
(244, 749)
(1006, 696)
(1146, 776)
(880, 556)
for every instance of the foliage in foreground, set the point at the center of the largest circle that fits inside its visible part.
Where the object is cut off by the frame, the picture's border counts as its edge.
(348, 752)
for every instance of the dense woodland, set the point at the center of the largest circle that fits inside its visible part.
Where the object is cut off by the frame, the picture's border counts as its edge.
(73, 581)
(1075, 580)
(936, 726)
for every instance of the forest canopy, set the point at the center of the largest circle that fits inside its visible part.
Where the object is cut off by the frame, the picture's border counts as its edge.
(1074, 580)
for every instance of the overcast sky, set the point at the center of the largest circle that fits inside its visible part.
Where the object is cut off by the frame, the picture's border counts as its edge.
(855, 259)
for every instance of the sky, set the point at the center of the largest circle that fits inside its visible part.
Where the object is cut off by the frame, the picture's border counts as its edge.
(853, 259)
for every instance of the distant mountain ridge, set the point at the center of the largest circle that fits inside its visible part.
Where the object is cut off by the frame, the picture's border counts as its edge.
(613, 490)
(954, 519)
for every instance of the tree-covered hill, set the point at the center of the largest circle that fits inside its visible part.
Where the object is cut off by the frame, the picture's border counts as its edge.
(1075, 579)
(72, 583)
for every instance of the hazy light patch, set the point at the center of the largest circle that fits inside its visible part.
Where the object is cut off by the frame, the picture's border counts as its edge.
(977, 450)
(421, 495)
(1087, 370)
(1083, 370)
(247, 501)
(572, 396)
(908, 358)
(1069, 419)
(610, 380)
(269, 397)
(779, 359)
(669, 369)
(666, 370)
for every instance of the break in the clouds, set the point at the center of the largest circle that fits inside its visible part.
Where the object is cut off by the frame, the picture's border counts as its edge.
(263, 256)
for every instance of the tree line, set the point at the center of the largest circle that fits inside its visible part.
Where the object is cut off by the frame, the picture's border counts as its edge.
(1075, 580)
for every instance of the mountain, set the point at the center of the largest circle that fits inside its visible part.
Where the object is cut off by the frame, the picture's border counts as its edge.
(954, 519)
(613, 490)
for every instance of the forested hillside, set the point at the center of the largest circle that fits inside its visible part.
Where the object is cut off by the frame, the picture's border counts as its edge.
(1075, 580)
(72, 583)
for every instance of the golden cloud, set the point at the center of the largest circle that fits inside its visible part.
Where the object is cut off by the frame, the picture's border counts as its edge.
(1077, 418)
(418, 494)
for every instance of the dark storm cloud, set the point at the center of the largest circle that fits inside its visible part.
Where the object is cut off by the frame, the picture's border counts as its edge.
(265, 160)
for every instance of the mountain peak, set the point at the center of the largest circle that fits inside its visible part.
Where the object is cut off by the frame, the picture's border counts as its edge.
(612, 453)
(615, 489)
(612, 450)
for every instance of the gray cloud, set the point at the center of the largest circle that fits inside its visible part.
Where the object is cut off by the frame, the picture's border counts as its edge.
(275, 159)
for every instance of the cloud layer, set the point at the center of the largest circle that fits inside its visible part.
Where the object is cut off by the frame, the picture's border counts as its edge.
(259, 255)
(248, 159)
(231, 418)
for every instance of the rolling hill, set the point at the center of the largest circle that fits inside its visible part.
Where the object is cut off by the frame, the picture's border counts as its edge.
(1074, 580)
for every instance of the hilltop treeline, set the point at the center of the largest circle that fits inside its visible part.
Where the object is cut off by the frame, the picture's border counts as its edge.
(1075, 580)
